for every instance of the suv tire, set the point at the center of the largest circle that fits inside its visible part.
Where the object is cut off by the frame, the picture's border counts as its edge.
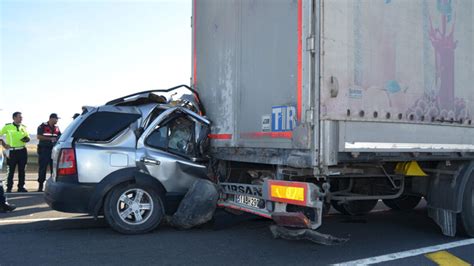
(133, 209)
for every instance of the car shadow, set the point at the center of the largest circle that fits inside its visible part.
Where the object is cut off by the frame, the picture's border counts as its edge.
(83, 222)
(24, 212)
(25, 199)
(26, 205)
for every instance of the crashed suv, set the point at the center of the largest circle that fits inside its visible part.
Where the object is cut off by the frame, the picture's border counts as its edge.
(133, 160)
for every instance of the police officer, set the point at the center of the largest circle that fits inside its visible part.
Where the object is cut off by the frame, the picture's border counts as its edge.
(4, 206)
(48, 134)
(16, 139)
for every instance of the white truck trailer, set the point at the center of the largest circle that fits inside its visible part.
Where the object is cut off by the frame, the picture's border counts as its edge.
(346, 102)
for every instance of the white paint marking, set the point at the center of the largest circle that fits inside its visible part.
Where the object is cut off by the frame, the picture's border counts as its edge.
(408, 253)
(406, 146)
(8, 221)
(23, 193)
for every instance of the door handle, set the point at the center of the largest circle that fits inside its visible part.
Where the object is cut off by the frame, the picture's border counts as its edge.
(149, 161)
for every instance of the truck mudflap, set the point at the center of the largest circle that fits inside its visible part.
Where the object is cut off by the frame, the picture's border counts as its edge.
(291, 204)
(306, 234)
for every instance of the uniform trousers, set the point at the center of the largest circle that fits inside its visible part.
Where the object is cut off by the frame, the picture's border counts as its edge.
(17, 158)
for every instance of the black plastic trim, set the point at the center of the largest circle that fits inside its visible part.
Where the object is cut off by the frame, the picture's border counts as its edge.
(68, 196)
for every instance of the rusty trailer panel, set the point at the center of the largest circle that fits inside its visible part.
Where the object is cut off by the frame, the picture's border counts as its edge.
(301, 82)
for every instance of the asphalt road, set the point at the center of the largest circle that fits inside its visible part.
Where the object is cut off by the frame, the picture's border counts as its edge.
(34, 234)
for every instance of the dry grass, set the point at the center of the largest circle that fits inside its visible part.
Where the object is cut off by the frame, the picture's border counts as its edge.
(32, 148)
(32, 166)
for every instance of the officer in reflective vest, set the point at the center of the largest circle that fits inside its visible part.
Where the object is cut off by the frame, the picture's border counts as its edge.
(16, 138)
(48, 134)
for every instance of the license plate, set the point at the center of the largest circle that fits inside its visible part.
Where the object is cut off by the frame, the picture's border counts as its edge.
(250, 201)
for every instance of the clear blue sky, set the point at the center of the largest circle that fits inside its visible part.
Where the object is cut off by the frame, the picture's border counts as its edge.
(57, 56)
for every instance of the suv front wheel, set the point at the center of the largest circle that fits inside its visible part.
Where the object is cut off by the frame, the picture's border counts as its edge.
(133, 209)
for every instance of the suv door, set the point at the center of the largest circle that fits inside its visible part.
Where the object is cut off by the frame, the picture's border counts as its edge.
(172, 149)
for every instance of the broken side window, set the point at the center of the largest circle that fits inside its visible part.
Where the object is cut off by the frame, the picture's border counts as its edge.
(154, 114)
(158, 138)
(176, 136)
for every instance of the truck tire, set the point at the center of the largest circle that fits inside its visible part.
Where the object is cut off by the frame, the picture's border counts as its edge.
(403, 203)
(467, 213)
(356, 207)
(133, 209)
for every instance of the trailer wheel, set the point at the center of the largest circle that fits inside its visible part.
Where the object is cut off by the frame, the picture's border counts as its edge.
(467, 213)
(356, 207)
(133, 209)
(338, 207)
(403, 203)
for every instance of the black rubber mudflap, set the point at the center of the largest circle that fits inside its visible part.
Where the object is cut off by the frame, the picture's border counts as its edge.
(197, 206)
(306, 234)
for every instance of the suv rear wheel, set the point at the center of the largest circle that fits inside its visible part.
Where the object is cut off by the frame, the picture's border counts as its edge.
(133, 209)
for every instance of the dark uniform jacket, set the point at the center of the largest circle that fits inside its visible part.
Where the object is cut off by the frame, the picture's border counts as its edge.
(48, 131)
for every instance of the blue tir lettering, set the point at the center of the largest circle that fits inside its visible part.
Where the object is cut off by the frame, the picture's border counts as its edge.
(283, 118)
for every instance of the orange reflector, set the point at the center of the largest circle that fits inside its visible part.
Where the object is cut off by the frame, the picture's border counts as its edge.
(288, 191)
(285, 192)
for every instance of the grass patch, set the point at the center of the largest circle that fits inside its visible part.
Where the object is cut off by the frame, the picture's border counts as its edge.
(32, 165)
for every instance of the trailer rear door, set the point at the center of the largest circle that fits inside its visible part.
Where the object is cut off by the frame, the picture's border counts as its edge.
(252, 66)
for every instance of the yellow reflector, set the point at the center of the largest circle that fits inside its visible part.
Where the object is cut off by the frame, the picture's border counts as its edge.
(409, 169)
(291, 193)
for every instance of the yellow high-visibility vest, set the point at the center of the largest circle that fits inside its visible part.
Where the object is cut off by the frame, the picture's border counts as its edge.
(14, 134)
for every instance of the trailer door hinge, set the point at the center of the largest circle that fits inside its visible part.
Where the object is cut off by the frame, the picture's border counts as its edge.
(310, 44)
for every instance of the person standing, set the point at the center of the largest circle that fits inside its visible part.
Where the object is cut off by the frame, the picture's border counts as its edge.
(16, 138)
(4, 206)
(48, 134)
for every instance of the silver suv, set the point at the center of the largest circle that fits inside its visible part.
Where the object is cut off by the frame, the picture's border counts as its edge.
(132, 159)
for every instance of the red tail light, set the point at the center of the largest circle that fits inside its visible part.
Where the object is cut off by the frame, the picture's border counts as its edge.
(67, 162)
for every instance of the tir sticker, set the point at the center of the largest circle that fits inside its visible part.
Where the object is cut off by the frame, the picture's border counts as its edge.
(283, 118)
